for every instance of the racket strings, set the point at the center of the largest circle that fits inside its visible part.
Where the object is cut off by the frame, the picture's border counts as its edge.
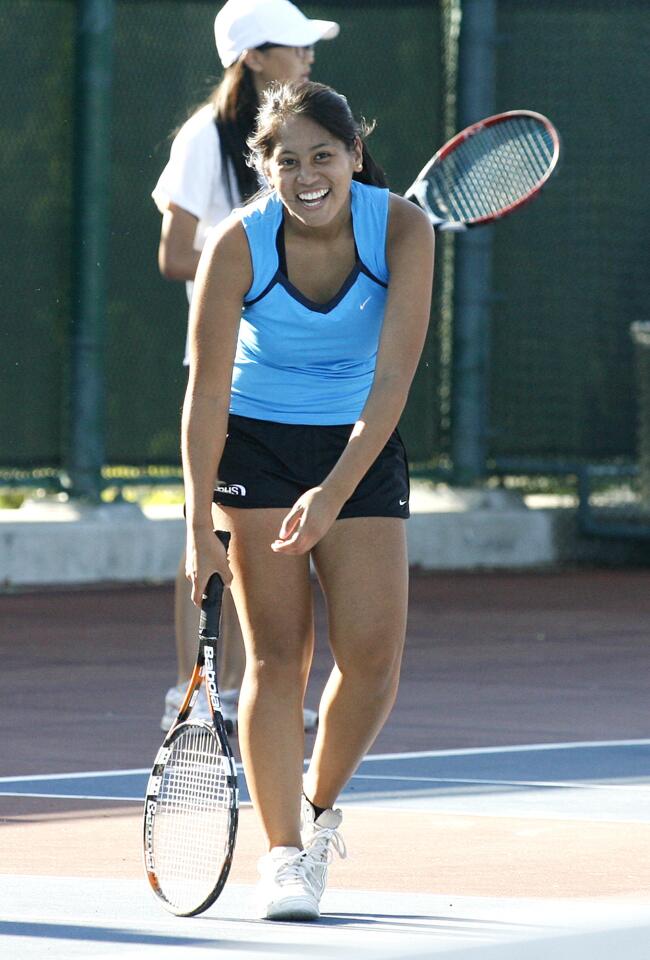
(505, 157)
(193, 817)
(492, 169)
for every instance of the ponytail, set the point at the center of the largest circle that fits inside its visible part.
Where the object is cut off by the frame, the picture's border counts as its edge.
(370, 173)
(235, 104)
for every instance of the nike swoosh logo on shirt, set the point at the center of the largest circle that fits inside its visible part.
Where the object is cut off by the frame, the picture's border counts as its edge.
(362, 305)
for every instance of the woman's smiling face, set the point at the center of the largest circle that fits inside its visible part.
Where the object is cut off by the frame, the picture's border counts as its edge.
(311, 170)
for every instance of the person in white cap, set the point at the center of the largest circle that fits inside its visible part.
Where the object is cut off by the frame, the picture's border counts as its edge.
(258, 41)
(243, 25)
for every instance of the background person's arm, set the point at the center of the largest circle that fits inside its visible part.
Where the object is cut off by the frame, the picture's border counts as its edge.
(177, 258)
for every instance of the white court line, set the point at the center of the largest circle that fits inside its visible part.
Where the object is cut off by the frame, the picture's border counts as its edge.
(564, 784)
(470, 781)
(518, 748)
(471, 751)
(76, 776)
(71, 796)
(85, 796)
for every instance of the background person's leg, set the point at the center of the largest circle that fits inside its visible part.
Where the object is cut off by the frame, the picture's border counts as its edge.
(186, 625)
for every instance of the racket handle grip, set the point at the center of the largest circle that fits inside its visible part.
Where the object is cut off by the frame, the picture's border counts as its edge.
(211, 602)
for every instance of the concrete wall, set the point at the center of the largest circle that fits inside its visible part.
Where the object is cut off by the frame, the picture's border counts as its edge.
(61, 543)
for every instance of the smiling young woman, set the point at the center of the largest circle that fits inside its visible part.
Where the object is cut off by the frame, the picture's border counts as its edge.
(309, 316)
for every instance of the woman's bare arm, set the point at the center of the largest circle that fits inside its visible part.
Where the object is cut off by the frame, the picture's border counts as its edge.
(222, 279)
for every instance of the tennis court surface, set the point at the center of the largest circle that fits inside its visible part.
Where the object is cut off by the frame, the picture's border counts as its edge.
(503, 813)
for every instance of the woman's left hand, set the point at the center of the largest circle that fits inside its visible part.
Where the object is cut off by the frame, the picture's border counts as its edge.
(307, 522)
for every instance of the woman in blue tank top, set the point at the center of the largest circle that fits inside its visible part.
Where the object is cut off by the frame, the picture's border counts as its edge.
(309, 314)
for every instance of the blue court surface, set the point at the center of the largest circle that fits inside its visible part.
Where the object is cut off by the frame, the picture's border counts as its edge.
(71, 917)
(601, 781)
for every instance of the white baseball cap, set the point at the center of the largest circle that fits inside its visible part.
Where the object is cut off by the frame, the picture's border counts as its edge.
(243, 24)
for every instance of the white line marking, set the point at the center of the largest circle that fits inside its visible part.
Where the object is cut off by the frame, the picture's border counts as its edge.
(564, 784)
(369, 758)
(519, 748)
(139, 771)
(87, 796)
(76, 776)
(67, 796)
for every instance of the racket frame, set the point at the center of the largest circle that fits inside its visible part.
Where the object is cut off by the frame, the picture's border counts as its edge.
(418, 188)
(204, 672)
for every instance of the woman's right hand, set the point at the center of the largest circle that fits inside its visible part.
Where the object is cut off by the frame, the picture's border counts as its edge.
(205, 555)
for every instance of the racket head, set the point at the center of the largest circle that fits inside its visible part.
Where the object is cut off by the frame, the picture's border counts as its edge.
(191, 815)
(191, 804)
(488, 170)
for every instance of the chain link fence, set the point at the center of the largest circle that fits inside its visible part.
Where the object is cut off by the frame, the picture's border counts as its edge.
(166, 64)
(569, 270)
(36, 111)
(387, 61)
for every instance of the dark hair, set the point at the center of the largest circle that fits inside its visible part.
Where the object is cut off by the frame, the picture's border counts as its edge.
(324, 106)
(235, 104)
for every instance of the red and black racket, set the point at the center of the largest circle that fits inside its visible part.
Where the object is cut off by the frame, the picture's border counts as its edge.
(488, 170)
(191, 807)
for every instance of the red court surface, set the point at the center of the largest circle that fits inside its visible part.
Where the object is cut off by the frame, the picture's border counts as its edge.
(491, 660)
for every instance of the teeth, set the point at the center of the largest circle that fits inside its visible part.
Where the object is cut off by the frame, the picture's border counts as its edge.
(316, 195)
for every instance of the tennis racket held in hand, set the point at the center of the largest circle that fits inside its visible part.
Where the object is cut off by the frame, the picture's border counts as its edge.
(487, 170)
(191, 806)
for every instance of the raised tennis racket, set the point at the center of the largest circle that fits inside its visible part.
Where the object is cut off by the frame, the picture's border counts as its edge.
(488, 170)
(191, 807)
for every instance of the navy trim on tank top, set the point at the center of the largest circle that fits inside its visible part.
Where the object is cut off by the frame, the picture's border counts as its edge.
(281, 276)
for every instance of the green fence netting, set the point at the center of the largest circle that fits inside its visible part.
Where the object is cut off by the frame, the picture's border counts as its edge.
(387, 60)
(570, 271)
(165, 63)
(36, 108)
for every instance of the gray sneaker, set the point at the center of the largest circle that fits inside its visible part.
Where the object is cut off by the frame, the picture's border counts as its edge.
(201, 711)
(175, 696)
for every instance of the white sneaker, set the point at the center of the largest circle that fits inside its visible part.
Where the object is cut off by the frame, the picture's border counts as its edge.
(284, 887)
(201, 711)
(173, 700)
(320, 838)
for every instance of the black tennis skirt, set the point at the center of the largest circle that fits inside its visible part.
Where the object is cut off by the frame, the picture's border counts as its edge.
(267, 464)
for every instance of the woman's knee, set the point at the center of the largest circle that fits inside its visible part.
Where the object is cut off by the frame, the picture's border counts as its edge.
(377, 663)
(282, 661)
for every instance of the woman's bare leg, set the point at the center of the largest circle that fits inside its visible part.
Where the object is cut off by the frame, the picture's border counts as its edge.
(363, 569)
(232, 655)
(274, 601)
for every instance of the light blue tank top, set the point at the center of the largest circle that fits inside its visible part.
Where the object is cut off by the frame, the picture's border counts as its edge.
(304, 362)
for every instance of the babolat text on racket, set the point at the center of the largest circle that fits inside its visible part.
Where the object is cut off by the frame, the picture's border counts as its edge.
(488, 170)
(191, 806)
